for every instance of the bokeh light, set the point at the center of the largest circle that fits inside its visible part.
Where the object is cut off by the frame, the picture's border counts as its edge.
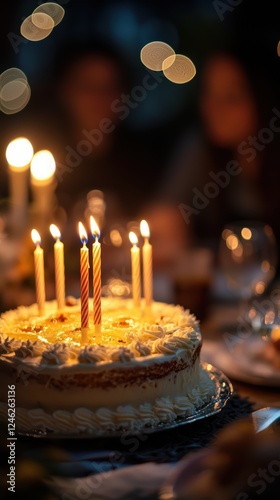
(246, 233)
(19, 153)
(15, 91)
(259, 287)
(115, 237)
(53, 10)
(155, 53)
(265, 266)
(232, 242)
(178, 69)
(31, 32)
(42, 20)
(11, 74)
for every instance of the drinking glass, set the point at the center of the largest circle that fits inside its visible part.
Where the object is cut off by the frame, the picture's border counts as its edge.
(248, 258)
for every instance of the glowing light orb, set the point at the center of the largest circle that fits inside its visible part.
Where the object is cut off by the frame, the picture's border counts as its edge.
(155, 53)
(178, 69)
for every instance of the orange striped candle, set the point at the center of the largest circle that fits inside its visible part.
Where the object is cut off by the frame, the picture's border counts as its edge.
(96, 264)
(84, 283)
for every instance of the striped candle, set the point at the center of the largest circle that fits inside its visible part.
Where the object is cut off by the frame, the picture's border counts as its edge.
(84, 283)
(96, 264)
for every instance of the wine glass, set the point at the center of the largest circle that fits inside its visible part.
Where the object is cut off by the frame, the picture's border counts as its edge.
(248, 258)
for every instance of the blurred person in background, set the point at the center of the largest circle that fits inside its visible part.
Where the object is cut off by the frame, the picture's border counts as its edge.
(228, 168)
(95, 151)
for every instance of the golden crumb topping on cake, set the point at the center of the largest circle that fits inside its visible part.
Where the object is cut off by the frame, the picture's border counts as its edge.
(55, 338)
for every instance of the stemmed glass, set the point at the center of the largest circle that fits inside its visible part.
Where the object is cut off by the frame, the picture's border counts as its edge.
(248, 258)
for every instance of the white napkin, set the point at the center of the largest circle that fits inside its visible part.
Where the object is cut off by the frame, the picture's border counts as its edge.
(134, 482)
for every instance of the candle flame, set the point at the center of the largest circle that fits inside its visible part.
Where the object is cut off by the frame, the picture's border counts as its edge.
(36, 238)
(133, 238)
(83, 233)
(42, 166)
(19, 153)
(56, 234)
(144, 229)
(94, 228)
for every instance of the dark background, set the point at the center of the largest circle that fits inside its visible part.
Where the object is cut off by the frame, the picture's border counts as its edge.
(195, 28)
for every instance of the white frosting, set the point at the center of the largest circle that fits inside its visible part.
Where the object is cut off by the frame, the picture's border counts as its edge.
(8, 345)
(92, 354)
(58, 376)
(140, 348)
(127, 417)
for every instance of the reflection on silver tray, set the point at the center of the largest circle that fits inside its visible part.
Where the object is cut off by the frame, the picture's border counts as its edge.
(223, 392)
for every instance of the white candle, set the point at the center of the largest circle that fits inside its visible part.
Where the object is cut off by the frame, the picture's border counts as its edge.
(84, 280)
(147, 256)
(59, 267)
(39, 271)
(19, 153)
(42, 181)
(96, 266)
(135, 270)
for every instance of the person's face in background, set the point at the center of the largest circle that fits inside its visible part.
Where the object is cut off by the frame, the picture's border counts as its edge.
(227, 105)
(88, 90)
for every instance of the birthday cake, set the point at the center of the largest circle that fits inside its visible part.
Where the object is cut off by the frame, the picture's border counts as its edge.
(144, 370)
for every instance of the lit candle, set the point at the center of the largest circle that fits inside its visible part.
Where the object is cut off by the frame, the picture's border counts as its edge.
(96, 264)
(59, 267)
(135, 270)
(39, 271)
(147, 263)
(84, 277)
(19, 153)
(42, 180)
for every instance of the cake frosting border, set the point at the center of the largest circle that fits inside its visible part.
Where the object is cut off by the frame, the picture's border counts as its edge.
(124, 418)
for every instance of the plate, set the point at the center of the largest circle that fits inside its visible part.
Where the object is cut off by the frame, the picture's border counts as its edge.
(223, 391)
(241, 359)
